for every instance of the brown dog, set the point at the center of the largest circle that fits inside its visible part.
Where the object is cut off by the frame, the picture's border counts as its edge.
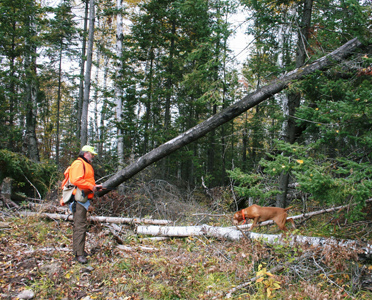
(260, 214)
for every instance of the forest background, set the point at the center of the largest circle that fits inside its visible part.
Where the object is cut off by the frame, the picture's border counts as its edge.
(128, 76)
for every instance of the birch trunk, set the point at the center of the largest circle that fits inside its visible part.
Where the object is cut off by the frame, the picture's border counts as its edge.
(185, 231)
(236, 235)
(115, 220)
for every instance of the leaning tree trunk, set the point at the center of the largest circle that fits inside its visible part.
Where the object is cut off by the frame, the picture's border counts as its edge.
(230, 113)
(292, 131)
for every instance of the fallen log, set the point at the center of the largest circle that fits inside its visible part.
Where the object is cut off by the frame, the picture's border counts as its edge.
(59, 249)
(138, 248)
(5, 225)
(101, 219)
(235, 235)
(185, 231)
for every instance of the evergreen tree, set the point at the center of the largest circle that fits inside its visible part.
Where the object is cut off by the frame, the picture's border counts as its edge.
(12, 35)
(310, 161)
(61, 39)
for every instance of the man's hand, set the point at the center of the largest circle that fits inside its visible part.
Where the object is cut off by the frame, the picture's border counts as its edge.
(97, 188)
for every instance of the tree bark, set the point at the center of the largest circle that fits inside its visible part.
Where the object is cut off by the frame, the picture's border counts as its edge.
(59, 101)
(230, 113)
(87, 79)
(82, 71)
(30, 144)
(118, 84)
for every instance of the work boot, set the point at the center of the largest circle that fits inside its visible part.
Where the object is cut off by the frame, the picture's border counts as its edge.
(81, 259)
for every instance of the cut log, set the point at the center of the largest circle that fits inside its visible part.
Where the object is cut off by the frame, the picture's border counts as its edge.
(101, 219)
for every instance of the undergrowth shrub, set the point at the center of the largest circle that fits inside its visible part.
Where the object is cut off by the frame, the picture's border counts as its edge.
(29, 177)
(327, 181)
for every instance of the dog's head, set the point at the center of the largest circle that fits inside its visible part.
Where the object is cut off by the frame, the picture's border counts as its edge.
(238, 217)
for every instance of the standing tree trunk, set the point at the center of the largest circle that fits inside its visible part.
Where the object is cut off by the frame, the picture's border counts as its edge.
(102, 130)
(118, 86)
(292, 131)
(212, 151)
(30, 142)
(84, 113)
(168, 94)
(148, 101)
(12, 87)
(95, 130)
(169, 84)
(224, 105)
(245, 144)
(58, 102)
(82, 70)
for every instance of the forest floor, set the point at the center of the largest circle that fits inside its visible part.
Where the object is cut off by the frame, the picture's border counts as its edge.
(36, 256)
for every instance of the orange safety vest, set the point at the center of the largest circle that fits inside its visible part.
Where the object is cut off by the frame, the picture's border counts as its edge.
(82, 175)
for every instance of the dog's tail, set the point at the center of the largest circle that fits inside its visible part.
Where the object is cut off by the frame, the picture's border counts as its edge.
(288, 208)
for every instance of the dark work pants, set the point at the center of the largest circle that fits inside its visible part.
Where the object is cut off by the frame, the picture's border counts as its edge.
(80, 229)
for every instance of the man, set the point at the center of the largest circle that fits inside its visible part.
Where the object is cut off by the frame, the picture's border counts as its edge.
(82, 176)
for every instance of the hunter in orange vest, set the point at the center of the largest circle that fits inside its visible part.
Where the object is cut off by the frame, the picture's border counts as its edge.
(81, 175)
